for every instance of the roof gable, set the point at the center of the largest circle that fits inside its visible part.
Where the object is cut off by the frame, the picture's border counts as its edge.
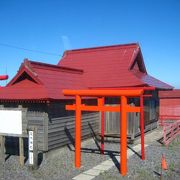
(25, 73)
(137, 63)
(24, 77)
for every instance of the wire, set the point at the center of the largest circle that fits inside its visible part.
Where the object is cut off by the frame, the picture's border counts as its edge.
(30, 50)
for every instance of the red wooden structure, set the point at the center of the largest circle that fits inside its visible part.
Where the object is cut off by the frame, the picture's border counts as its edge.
(170, 131)
(170, 114)
(169, 106)
(3, 77)
(123, 108)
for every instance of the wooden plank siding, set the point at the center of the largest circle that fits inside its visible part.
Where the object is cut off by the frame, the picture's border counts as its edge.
(112, 124)
(39, 120)
(151, 109)
(61, 124)
(61, 130)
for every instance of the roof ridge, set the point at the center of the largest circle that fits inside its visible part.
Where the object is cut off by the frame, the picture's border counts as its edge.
(64, 68)
(101, 48)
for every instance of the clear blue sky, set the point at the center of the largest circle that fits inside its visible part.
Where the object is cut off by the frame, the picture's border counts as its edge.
(56, 25)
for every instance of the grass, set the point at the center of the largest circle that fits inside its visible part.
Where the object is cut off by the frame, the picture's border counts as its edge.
(143, 174)
(174, 143)
(171, 166)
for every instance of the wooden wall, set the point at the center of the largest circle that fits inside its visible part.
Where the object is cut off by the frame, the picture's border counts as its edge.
(151, 109)
(61, 130)
(112, 124)
(61, 124)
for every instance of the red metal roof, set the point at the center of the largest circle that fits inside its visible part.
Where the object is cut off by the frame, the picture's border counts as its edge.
(151, 81)
(111, 66)
(41, 81)
(25, 91)
(101, 67)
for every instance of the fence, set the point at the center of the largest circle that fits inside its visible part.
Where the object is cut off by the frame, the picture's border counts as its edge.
(164, 119)
(170, 131)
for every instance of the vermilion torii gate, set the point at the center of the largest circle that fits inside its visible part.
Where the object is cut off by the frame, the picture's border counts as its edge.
(123, 108)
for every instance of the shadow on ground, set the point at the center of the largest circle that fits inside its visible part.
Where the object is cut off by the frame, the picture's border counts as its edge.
(111, 153)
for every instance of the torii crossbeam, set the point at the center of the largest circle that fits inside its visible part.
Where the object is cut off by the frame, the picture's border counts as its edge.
(123, 107)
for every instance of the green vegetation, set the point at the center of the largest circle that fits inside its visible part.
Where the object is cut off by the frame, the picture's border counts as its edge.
(143, 174)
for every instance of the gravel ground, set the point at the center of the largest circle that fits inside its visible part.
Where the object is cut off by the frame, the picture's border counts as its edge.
(59, 164)
(150, 168)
